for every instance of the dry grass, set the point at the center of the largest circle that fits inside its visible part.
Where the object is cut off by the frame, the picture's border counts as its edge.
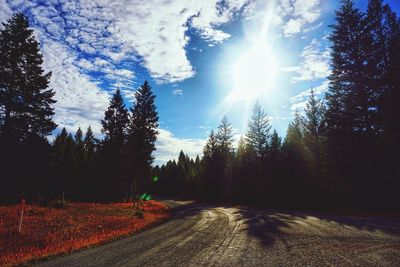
(51, 231)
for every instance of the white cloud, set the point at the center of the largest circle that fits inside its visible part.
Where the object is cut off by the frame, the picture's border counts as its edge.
(299, 101)
(297, 14)
(315, 63)
(129, 94)
(168, 146)
(80, 102)
(291, 27)
(5, 11)
(153, 32)
(177, 92)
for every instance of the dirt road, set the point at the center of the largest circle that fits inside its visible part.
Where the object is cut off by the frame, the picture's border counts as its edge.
(205, 235)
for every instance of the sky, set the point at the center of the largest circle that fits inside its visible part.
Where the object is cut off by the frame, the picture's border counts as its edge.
(203, 59)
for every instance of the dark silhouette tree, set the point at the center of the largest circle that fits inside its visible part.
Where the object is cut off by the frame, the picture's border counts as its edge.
(91, 170)
(141, 139)
(224, 137)
(115, 122)
(383, 67)
(314, 132)
(25, 99)
(114, 127)
(25, 110)
(258, 140)
(89, 144)
(64, 156)
(212, 168)
(294, 166)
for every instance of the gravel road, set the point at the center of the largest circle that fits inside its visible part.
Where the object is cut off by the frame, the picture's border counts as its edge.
(206, 235)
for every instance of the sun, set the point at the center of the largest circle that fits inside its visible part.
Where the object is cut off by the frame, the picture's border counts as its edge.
(254, 73)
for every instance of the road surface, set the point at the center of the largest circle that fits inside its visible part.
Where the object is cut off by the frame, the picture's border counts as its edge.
(205, 235)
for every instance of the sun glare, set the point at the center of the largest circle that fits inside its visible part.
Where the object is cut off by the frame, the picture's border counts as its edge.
(254, 73)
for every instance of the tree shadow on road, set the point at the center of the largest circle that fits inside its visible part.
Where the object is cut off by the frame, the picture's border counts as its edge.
(269, 225)
(264, 225)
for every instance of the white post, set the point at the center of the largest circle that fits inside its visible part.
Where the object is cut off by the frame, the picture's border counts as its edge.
(21, 215)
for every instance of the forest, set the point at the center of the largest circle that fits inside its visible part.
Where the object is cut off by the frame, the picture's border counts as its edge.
(342, 151)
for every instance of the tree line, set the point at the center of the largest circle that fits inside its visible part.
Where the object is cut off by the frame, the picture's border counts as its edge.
(75, 166)
(342, 151)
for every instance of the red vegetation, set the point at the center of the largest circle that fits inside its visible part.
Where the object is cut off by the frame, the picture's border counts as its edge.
(51, 231)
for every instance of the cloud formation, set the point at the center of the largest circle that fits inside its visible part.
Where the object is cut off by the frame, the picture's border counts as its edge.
(94, 47)
(297, 14)
(315, 63)
(177, 92)
(299, 101)
(169, 146)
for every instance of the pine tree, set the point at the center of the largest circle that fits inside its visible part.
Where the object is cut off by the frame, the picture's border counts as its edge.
(224, 137)
(294, 135)
(241, 149)
(351, 102)
(383, 69)
(294, 179)
(115, 122)
(25, 112)
(80, 146)
(258, 135)
(90, 172)
(25, 100)
(64, 148)
(89, 144)
(212, 162)
(142, 136)
(114, 126)
(275, 145)
(314, 126)
(211, 148)
(348, 97)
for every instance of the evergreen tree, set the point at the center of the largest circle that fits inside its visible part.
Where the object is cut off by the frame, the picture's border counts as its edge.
(115, 121)
(114, 126)
(383, 68)
(142, 136)
(90, 172)
(25, 99)
(212, 168)
(348, 96)
(211, 148)
(293, 183)
(224, 137)
(314, 129)
(79, 185)
(294, 135)
(25, 112)
(352, 107)
(276, 145)
(64, 149)
(258, 135)
(241, 149)
(80, 146)
(258, 139)
(89, 144)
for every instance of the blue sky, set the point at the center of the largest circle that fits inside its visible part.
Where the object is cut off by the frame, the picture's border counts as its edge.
(197, 55)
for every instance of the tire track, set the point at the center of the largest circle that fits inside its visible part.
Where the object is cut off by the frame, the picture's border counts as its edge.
(201, 235)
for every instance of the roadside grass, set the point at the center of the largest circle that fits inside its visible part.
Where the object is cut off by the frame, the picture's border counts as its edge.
(51, 231)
